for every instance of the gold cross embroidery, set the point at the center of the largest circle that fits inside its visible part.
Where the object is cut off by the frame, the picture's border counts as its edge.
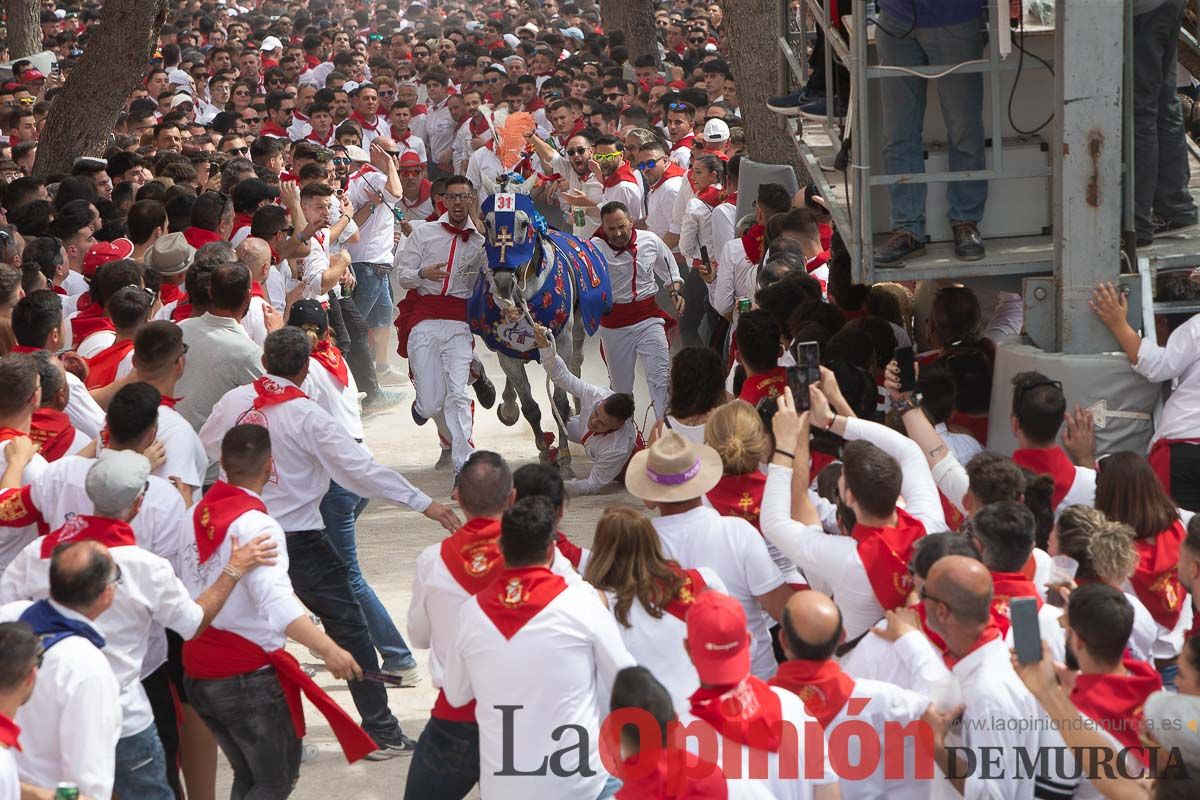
(504, 240)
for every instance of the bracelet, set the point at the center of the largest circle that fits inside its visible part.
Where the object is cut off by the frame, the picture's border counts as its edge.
(785, 453)
(231, 572)
(832, 420)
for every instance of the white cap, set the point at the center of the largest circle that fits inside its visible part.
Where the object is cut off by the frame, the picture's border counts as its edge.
(180, 99)
(349, 86)
(715, 130)
(270, 43)
(357, 154)
(115, 480)
(528, 26)
(178, 77)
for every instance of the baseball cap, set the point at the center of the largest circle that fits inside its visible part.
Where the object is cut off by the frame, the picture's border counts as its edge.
(104, 252)
(180, 99)
(116, 480)
(718, 640)
(410, 159)
(31, 75)
(715, 130)
(251, 192)
(1173, 720)
(355, 153)
(308, 312)
(270, 43)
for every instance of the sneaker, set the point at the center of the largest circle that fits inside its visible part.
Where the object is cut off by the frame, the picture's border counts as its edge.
(309, 753)
(310, 671)
(900, 245)
(403, 746)
(410, 676)
(1165, 226)
(789, 104)
(388, 373)
(384, 399)
(417, 418)
(968, 243)
(485, 391)
(817, 110)
(444, 461)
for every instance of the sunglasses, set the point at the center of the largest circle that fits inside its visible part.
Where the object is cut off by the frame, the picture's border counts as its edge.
(238, 151)
(341, 162)
(577, 151)
(612, 98)
(410, 173)
(697, 41)
(645, 165)
(607, 156)
(677, 107)
(250, 120)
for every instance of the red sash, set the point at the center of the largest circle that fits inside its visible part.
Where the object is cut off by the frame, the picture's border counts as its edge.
(84, 527)
(678, 775)
(218, 654)
(52, 431)
(693, 584)
(417, 308)
(517, 595)
(752, 240)
(88, 322)
(768, 384)
(739, 496)
(171, 293)
(330, 357)
(269, 392)
(625, 314)
(472, 554)
(822, 685)
(198, 237)
(1156, 579)
(1007, 586)
(102, 367)
(9, 733)
(1160, 459)
(1050, 461)
(885, 553)
(1115, 701)
(749, 713)
(220, 507)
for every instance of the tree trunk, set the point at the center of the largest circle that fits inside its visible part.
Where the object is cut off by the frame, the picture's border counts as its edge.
(24, 28)
(634, 18)
(752, 27)
(82, 115)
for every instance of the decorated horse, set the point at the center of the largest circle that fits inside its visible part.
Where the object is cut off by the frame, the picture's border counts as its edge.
(535, 274)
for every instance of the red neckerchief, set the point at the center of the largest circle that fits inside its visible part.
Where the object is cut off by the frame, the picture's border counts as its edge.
(1116, 701)
(685, 143)
(731, 198)
(320, 139)
(52, 432)
(88, 322)
(257, 290)
(673, 170)
(85, 527)
(422, 194)
(462, 233)
(517, 595)
(7, 434)
(1050, 461)
(822, 685)
(767, 384)
(622, 173)
(399, 138)
(1007, 586)
(712, 196)
(630, 246)
(220, 507)
(20, 348)
(677, 775)
(168, 401)
(990, 634)
(330, 357)
(198, 237)
(269, 392)
(1156, 579)
(271, 129)
(739, 496)
(171, 293)
(362, 121)
(311, 61)
(885, 553)
(240, 221)
(9, 734)
(748, 712)
(817, 261)
(934, 639)
(752, 240)
(102, 367)
(181, 311)
(472, 554)
(693, 584)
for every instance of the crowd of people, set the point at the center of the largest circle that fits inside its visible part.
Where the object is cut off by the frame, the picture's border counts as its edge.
(816, 553)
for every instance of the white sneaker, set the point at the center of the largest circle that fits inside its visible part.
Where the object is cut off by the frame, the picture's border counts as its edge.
(309, 753)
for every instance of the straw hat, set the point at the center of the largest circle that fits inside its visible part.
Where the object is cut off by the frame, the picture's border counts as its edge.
(673, 470)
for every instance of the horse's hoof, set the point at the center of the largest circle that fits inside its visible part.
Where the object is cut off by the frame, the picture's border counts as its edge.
(508, 414)
(444, 461)
(548, 456)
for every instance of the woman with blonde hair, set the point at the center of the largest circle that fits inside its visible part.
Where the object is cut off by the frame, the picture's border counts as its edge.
(649, 595)
(736, 432)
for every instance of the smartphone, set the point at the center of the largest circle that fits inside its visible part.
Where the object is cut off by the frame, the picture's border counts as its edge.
(907, 362)
(1027, 636)
(806, 372)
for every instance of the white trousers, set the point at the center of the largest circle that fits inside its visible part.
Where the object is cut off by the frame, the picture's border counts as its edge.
(439, 356)
(645, 341)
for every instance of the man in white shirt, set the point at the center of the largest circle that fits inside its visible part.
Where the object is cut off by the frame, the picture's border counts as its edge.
(71, 724)
(530, 622)
(576, 166)
(438, 124)
(737, 264)
(635, 328)
(261, 317)
(867, 571)
(149, 592)
(673, 475)
(438, 268)
(308, 448)
(51, 428)
(1039, 408)
(236, 668)
(19, 670)
(17, 404)
(680, 123)
(604, 424)
(664, 178)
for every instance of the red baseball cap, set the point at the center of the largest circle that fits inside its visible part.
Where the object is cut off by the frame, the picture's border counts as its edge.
(104, 252)
(411, 159)
(718, 640)
(31, 75)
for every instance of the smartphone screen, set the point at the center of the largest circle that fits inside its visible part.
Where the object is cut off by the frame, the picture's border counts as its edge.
(1027, 636)
(806, 372)
(906, 361)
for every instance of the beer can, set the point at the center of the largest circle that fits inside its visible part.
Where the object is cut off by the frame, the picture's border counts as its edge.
(66, 791)
(578, 217)
(743, 305)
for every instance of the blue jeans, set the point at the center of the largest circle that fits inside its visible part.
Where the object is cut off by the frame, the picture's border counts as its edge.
(611, 787)
(141, 767)
(373, 295)
(340, 509)
(445, 764)
(961, 97)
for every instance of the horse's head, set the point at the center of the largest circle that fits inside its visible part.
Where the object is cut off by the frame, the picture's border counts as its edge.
(510, 227)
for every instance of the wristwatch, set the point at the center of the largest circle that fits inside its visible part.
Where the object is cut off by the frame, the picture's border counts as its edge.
(908, 403)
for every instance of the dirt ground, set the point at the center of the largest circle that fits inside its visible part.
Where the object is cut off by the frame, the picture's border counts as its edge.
(389, 540)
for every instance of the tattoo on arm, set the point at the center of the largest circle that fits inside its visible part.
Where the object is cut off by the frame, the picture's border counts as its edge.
(937, 451)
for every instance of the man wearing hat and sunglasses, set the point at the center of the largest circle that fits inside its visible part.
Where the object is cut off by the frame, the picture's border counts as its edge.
(673, 475)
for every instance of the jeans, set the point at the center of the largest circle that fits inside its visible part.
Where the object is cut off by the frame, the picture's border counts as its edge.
(166, 722)
(445, 764)
(1160, 154)
(961, 98)
(373, 295)
(322, 582)
(350, 333)
(251, 722)
(340, 509)
(141, 767)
